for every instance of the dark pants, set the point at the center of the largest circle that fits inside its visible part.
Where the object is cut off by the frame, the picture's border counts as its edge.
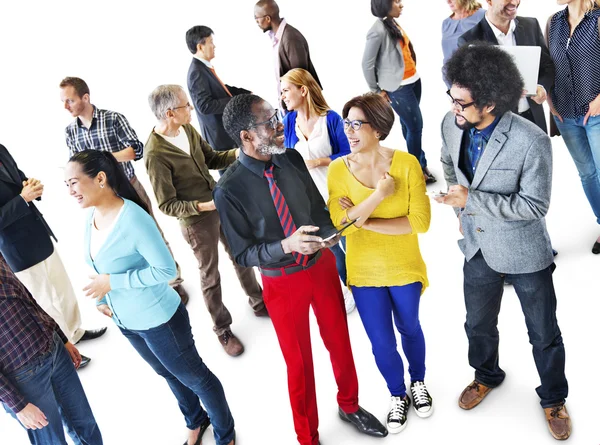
(405, 102)
(339, 251)
(377, 306)
(203, 237)
(483, 289)
(169, 348)
(50, 382)
(288, 299)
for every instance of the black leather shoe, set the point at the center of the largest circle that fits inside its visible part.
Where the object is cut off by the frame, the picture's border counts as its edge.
(91, 334)
(596, 248)
(182, 294)
(554, 252)
(84, 362)
(203, 427)
(365, 422)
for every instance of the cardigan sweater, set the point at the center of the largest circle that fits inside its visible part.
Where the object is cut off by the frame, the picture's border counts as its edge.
(335, 127)
(140, 267)
(180, 180)
(374, 259)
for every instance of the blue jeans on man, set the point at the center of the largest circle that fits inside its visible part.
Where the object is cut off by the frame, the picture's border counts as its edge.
(50, 382)
(170, 350)
(483, 288)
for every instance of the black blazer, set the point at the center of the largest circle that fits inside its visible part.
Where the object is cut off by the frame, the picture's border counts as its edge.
(527, 33)
(294, 53)
(209, 99)
(24, 234)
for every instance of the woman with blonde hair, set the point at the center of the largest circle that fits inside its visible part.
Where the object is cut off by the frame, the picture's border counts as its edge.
(573, 36)
(317, 133)
(465, 15)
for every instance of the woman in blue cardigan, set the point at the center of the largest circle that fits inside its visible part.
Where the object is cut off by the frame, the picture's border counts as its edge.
(317, 133)
(134, 266)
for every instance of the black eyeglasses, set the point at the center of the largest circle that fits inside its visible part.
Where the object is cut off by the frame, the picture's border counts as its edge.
(355, 124)
(272, 122)
(183, 106)
(455, 103)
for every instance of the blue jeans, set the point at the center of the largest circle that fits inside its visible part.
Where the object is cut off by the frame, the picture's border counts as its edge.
(405, 102)
(483, 289)
(169, 348)
(377, 306)
(583, 143)
(339, 251)
(50, 382)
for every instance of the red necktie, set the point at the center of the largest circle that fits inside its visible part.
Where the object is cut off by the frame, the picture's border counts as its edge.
(283, 212)
(221, 82)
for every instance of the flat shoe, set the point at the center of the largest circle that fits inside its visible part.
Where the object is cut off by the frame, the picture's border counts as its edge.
(596, 248)
(203, 427)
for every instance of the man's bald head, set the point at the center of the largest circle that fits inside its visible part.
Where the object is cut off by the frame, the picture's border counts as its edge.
(266, 14)
(269, 7)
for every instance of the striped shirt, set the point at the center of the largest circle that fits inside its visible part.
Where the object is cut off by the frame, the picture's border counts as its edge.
(109, 131)
(577, 62)
(26, 332)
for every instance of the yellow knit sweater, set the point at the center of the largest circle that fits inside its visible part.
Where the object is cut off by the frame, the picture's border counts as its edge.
(374, 259)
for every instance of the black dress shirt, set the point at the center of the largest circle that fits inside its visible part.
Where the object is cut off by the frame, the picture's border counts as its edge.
(248, 216)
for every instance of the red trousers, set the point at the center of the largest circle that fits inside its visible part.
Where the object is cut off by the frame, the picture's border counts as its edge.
(288, 298)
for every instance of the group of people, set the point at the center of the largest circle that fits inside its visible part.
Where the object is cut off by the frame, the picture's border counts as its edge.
(328, 215)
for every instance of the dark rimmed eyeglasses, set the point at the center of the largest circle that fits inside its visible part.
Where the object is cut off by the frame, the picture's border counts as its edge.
(355, 124)
(273, 121)
(188, 105)
(457, 104)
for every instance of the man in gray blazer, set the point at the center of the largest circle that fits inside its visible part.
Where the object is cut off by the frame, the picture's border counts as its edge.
(498, 167)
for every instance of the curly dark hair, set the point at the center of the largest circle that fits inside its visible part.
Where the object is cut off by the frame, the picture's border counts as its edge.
(378, 112)
(238, 115)
(489, 73)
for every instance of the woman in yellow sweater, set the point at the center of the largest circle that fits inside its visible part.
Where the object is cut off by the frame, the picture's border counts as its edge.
(385, 189)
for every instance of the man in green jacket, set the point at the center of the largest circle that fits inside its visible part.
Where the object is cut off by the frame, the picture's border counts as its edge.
(178, 162)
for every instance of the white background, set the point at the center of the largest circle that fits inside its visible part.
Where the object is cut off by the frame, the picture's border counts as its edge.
(124, 49)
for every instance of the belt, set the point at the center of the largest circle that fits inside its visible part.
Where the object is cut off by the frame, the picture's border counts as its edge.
(288, 270)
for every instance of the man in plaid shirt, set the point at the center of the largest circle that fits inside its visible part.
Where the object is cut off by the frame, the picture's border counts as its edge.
(96, 129)
(37, 369)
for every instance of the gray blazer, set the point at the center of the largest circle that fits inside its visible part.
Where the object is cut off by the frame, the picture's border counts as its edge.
(383, 63)
(509, 195)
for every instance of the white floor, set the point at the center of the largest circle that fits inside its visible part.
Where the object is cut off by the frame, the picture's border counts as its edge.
(131, 403)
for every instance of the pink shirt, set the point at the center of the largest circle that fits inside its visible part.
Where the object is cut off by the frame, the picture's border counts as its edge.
(276, 39)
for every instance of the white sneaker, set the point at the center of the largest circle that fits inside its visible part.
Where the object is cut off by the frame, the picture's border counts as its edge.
(397, 417)
(422, 401)
(348, 299)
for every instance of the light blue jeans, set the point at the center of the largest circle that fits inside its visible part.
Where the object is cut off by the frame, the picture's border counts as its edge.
(583, 143)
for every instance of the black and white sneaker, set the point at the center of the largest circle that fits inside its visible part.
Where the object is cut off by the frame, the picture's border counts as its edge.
(423, 403)
(396, 419)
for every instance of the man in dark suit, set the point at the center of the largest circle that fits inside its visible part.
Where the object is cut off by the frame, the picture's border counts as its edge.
(289, 45)
(26, 245)
(501, 26)
(209, 93)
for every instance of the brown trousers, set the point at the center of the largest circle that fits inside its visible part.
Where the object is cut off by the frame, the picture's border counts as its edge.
(137, 185)
(203, 237)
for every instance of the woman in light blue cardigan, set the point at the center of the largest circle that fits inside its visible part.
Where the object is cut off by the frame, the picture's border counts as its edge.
(134, 266)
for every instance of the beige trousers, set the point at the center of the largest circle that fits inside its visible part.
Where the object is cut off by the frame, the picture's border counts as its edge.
(51, 287)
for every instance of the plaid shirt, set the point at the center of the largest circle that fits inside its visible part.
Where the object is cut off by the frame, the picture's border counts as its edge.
(26, 332)
(109, 131)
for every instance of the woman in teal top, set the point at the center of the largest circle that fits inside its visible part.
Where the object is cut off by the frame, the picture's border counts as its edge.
(134, 266)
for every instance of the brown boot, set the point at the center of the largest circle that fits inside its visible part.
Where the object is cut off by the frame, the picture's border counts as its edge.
(559, 421)
(473, 395)
(231, 344)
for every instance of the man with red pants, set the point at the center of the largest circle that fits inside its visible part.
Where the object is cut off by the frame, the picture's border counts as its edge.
(271, 212)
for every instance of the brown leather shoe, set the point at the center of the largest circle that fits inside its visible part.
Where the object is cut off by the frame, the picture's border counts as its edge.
(182, 294)
(559, 421)
(231, 344)
(262, 312)
(473, 395)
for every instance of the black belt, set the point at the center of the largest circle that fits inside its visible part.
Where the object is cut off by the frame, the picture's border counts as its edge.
(288, 270)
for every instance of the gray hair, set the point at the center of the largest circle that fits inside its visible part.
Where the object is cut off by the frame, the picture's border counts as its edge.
(164, 98)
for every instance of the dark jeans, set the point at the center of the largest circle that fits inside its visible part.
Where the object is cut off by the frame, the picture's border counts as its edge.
(170, 350)
(50, 382)
(483, 289)
(339, 250)
(377, 307)
(405, 102)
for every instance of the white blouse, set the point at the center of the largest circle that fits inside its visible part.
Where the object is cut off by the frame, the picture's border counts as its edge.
(317, 146)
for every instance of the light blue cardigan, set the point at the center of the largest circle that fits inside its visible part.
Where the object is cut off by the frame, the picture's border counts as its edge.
(140, 267)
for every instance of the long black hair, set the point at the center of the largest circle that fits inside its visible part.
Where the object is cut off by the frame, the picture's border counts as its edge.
(93, 162)
(381, 9)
